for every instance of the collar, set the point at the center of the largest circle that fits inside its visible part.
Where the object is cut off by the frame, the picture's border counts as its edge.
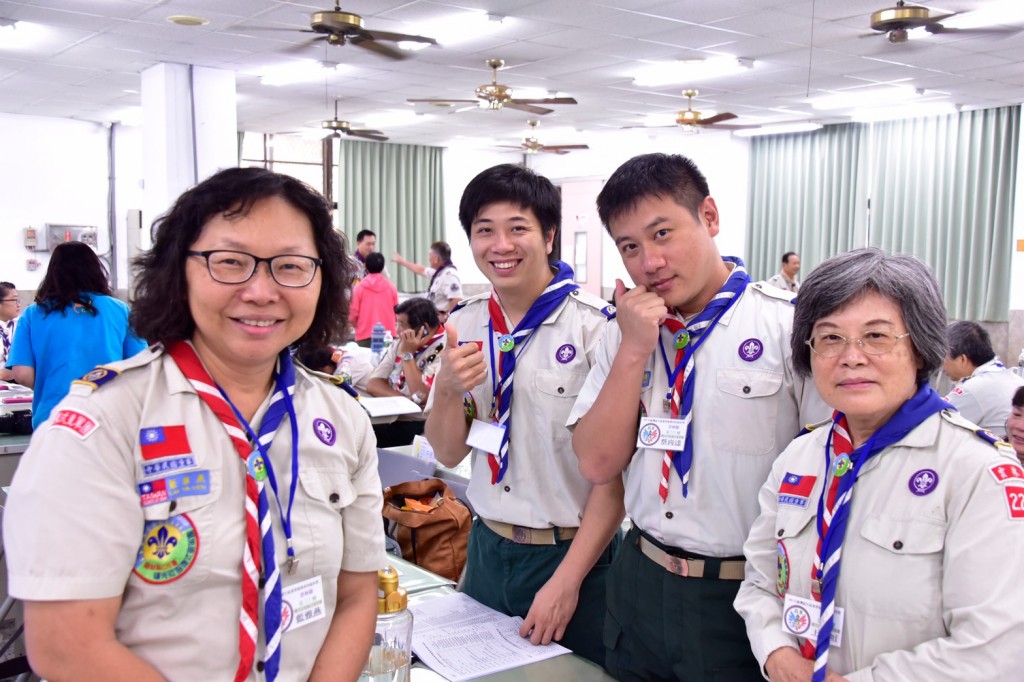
(551, 319)
(177, 383)
(993, 365)
(925, 435)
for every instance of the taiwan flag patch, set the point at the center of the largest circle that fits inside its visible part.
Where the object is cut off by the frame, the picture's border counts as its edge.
(795, 489)
(163, 441)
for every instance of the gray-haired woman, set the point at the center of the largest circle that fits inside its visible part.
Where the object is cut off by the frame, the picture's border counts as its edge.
(890, 538)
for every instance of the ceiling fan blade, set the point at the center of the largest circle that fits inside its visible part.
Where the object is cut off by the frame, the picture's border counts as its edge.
(732, 127)
(936, 29)
(442, 101)
(379, 48)
(399, 37)
(546, 100)
(562, 147)
(529, 108)
(368, 134)
(717, 118)
(303, 46)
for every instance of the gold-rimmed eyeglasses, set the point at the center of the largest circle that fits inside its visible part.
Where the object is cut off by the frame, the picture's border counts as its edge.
(238, 267)
(832, 345)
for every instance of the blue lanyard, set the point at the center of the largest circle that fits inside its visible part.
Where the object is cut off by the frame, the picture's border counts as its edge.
(286, 516)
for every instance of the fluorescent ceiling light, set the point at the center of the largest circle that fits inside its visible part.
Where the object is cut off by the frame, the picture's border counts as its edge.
(689, 70)
(299, 72)
(903, 111)
(994, 13)
(865, 98)
(17, 35)
(778, 129)
(459, 28)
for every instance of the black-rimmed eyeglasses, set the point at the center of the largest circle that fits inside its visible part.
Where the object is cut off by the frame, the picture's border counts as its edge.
(8, 300)
(832, 345)
(238, 267)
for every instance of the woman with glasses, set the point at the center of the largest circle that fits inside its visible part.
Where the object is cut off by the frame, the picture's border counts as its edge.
(891, 537)
(209, 510)
(74, 325)
(10, 306)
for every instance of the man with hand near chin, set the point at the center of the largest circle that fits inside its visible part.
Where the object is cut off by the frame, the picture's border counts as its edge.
(691, 397)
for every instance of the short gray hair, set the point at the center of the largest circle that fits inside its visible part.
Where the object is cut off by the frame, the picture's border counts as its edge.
(903, 279)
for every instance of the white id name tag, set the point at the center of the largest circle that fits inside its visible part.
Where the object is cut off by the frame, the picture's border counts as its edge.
(302, 603)
(485, 436)
(800, 617)
(662, 434)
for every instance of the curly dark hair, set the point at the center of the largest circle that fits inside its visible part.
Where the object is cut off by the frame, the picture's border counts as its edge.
(160, 310)
(74, 272)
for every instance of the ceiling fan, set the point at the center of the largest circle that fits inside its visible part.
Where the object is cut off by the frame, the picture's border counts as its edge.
(498, 96)
(691, 120)
(339, 27)
(532, 145)
(897, 22)
(339, 128)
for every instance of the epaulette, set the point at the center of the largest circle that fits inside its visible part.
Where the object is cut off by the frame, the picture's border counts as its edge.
(774, 292)
(97, 377)
(340, 383)
(812, 427)
(954, 417)
(589, 299)
(470, 299)
(104, 374)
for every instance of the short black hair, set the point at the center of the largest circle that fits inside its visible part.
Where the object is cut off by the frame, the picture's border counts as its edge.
(375, 263)
(419, 312)
(316, 358)
(363, 234)
(516, 185)
(160, 310)
(970, 339)
(1018, 398)
(652, 175)
(785, 256)
(6, 287)
(442, 249)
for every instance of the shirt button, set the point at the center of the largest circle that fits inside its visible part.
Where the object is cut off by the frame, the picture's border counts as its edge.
(898, 544)
(174, 505)
(782, 531)
(259, 666)
(561, 390)
(507, 489)
(334, 497)
(746, 389)
(668, 515)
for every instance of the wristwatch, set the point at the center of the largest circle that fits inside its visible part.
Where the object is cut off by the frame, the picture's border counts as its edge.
(406, 357)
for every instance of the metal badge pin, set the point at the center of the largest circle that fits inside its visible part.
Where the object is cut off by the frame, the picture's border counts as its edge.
(506, 343)
(842, 465)
(681, 339)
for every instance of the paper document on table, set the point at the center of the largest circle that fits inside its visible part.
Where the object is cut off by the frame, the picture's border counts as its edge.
(389, 406)
(462, 639)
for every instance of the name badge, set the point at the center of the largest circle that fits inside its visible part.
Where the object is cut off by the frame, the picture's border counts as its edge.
(663, 434)
(302, 603)
(485, 436)
(800, 617)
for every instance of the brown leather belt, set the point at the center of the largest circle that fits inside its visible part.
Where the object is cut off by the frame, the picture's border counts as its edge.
(689, 568)
(530, 536)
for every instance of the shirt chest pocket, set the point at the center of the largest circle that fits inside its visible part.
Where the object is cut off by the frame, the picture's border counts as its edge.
(326, 492)
(744, 411)
(554, 393)
(898, 567)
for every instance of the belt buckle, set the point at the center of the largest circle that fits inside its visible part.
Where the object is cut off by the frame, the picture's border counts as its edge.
(677, 565)
(521, 535)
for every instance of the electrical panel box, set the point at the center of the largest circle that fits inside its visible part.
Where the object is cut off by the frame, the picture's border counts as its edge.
(58, 234)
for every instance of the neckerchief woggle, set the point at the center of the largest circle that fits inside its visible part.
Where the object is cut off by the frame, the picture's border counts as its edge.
(699, 329)
(280, 403)
(501, 383)
(925, 403)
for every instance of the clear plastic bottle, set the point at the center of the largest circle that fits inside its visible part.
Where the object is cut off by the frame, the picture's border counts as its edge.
(391, 653)
(377, 342)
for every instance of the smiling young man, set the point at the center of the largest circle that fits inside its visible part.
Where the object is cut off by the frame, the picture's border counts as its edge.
(513, 365)
(692, 433)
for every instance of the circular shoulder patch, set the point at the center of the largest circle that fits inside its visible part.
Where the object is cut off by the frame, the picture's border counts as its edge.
(169, 549)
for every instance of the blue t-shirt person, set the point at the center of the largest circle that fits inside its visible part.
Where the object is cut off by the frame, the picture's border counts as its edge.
(65, 344)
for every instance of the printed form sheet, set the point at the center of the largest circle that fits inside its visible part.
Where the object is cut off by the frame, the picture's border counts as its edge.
(462, 639)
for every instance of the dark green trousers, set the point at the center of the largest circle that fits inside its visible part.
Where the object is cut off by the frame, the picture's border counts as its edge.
(661, 626)
(506, 576)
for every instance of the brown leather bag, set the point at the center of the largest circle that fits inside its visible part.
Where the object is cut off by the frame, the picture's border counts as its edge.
(434, 539)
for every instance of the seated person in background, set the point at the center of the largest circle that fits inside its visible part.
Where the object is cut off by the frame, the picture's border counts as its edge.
(318, 359)
(445, 290)
(408, 368)
(983, 387)
(1015, 424)
(355, 365)
(786, 279)
(373, 300)
(10, 306)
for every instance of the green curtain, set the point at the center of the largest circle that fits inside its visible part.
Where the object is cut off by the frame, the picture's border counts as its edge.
(943, 191)
(806, 195)
(396, 190)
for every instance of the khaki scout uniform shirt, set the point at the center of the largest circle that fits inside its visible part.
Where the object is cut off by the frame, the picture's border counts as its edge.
(542, 486)
(985, 397)
(930, 582)
(748, 406)
(446, 287)
(390, 369)
(74, 521)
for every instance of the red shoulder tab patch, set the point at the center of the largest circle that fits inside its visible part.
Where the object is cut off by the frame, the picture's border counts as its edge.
(1006, 472)
(1015, 501)
(77, 422)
